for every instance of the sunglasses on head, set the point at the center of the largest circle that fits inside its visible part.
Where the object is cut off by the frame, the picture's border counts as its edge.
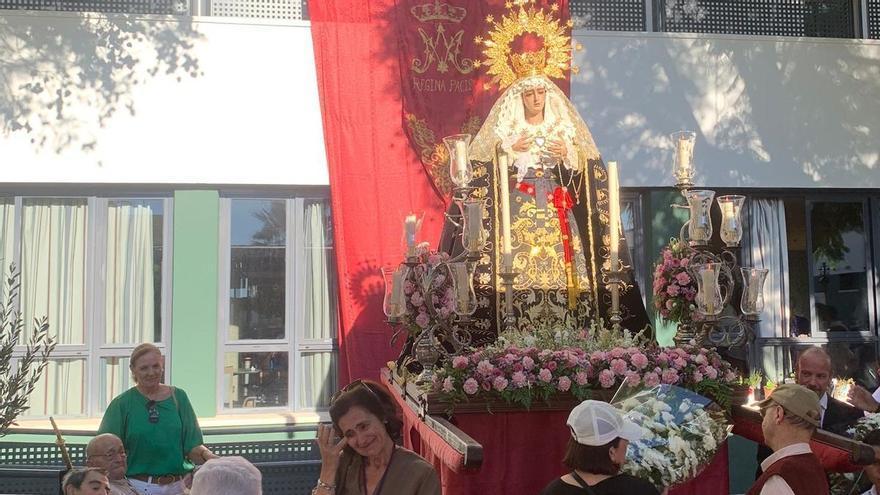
(353, 386)
(152, 411)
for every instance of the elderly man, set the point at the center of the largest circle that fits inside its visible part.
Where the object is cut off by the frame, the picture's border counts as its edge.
(813, 370)
(232, 475)
(105, 451)
(791, 415)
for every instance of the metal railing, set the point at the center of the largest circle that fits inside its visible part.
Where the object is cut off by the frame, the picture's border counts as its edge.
(261, 9)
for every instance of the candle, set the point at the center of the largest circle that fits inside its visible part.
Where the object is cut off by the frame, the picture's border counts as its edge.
(728, 215)
(506, 251)
(409, 229)
(753, 291)
(474, 219)
(614, 213)
(461, 159)
(683, 155)
(708, 276)
(394, 302)
(463, 289)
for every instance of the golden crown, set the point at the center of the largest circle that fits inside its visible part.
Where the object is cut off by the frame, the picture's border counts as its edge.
(523, 19)
(438, 12)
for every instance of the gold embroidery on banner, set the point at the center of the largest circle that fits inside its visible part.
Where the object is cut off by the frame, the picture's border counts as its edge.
(438, 48)
(434, 156)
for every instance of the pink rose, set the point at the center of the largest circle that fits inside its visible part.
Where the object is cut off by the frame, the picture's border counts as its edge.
(617, 352)
(632, 378)
(597, 356)
(639, 360)
(470, 386)
(679, 363)
(485, 368)
(673, 290)
(711, 372)
(416, 299)
(580, 378)
(545, 375)
(528, 363)
(684, 262)
(551, 365)
(698, 377)
(519, 379)
(459, 362)
(564, 384)
(662, 357)
(651, 379)
(669, 376)
(730, 376)
(683, 278)
(618, 366)
(700, 359)
(500, 383)
(448, 385)
(606, 378)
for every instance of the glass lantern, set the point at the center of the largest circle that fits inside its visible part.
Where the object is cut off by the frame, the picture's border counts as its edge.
(459, 165)
(731, 222)
(700, 223)
(709, 301)
(752, 302)
(683, 157)
(473, 235)
(394, 302)
(465, 299)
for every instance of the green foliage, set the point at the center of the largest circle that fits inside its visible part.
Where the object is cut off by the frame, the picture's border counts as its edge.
(17, 384)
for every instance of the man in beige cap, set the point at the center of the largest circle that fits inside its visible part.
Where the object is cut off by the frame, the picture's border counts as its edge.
(105, 451)
(791, 415)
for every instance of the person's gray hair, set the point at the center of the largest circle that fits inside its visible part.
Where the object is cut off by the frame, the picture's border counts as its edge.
(227, 476)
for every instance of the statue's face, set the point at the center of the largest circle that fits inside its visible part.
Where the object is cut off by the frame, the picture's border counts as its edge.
(533, 100)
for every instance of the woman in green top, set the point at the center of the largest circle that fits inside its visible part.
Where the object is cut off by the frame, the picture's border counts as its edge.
(157, 426)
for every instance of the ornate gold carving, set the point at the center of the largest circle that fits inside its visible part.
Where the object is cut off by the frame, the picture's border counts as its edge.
(506, 66)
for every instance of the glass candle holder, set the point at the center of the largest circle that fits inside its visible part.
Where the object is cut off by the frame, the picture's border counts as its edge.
(709, 301)
(731, 222)
(683, 157)
(465, 299)
(473, 235)
(394, 302)
(700, 223)
(459, 164)
(752, 302)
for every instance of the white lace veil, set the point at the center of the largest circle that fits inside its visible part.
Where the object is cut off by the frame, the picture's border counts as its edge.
(508, 112)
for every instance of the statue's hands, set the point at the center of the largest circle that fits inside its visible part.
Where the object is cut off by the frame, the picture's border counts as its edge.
(557, 149)
(522, 144)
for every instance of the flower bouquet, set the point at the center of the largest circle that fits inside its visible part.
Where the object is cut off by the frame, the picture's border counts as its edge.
(674, 288)
(681, 433)
(522, 369)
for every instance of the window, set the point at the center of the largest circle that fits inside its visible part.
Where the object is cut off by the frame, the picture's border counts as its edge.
(830, 287)
(631, 223)
(278, 304)
(97, 268)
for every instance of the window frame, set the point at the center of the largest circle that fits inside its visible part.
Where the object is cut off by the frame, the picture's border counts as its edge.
(294, 343)
(94, 349)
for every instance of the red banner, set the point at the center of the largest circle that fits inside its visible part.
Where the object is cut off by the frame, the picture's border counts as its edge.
(378, 62)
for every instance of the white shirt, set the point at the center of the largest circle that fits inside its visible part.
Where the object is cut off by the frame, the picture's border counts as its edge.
(776, 485)
(876, 394)
(872, 491)
(823, 405)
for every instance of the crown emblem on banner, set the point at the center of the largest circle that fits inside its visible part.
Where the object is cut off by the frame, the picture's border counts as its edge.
(438, 12)
(526, 41)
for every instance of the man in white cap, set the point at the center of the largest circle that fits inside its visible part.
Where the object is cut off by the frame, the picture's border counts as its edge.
(596, 451)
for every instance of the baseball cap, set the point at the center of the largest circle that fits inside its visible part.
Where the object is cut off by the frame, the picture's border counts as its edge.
(796, 399)
(596, 423)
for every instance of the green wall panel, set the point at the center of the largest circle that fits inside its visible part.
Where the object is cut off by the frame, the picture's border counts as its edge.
(194, 300)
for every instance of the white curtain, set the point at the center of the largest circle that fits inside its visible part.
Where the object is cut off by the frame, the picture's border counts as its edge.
(129, 282)
(320, 293)
(7, 235)
(768, 248)
(319, 368)
(53, 284)
(53, 266)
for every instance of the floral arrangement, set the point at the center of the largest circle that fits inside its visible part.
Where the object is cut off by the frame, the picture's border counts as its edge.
(438, 293)
(864, 426)
(680, 434)
(520, 369)
(674, 288)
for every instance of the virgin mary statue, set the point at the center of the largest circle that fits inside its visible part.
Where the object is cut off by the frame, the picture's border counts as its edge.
(557, 194)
